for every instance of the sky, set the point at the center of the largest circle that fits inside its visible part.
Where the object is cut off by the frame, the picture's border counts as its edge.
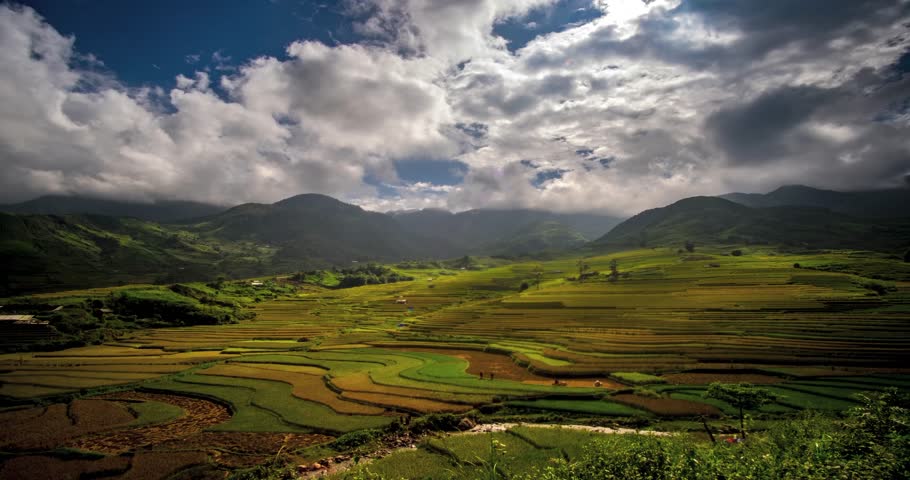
(610, 106)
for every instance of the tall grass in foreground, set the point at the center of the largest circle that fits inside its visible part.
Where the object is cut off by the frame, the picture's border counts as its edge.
(872, 442)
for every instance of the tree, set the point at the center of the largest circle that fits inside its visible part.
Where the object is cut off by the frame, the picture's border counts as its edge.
(737, 253)
(523, 286)
(743, 396)
(582, 268)
(690, 247)
(538, 273)
(614, 270)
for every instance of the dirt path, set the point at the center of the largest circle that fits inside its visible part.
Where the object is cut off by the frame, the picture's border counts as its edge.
(332, 467)
(502, 427)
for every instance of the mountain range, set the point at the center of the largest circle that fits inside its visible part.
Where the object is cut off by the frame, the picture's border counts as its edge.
(160, 211)
(890, 203)
(74, 244)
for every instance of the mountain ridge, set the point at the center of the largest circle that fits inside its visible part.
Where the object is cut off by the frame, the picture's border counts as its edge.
(886, 203)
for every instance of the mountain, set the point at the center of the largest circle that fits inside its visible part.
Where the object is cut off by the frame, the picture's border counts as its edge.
(315, 228)
(486, 231)
(537, 237)
(712, 220)
(57, 252)
(61, 251)
(161, 211)
(890, 203)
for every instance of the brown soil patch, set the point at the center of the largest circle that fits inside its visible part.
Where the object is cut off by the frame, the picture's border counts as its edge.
(200, 414)
(142, 466)
(157, 465)
(501, 366)
(706, 378)
(242, 449)
(43, 467)
(47, 428)
(670, 407)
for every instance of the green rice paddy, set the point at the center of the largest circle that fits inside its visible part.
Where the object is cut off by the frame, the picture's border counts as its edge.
(820, 328)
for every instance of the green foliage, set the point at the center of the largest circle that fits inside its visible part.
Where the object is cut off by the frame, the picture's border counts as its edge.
(743, 396)
(169, 307)
(352, 440)
(370, 274)
(871, 444)
(740, 395)
(437, 422)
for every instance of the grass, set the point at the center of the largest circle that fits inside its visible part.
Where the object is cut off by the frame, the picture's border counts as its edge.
(152, 413)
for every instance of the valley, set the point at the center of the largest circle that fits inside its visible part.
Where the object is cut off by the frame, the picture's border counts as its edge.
(563, 339)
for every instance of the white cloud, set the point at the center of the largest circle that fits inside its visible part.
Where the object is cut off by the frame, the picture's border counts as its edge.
(652, 102)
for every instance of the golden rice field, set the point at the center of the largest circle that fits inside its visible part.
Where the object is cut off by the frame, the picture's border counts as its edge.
(327, 362)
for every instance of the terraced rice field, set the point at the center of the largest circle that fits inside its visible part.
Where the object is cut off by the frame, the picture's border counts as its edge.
(323, 363)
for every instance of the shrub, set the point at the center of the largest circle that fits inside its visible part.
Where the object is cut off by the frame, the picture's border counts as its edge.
(352, 440)
(736, 253)
(524, 286)
(796, 265)
(437, 422)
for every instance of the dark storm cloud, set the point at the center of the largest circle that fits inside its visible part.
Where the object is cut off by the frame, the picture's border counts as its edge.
(765, 26)
(757, 131)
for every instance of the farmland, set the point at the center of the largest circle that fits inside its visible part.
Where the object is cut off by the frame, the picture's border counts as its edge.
(308, 364)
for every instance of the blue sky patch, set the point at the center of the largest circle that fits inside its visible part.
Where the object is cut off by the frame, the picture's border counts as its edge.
(544, 176)
(156, 41)
(437, 172)
(519, 31)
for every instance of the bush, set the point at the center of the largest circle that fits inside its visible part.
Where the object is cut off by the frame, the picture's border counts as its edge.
(352, 440)
(524, 286)
(436, 422)
(736, 253)
(796, 265)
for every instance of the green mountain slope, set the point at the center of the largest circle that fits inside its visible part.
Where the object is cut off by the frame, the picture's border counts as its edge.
(51, 252)
(162, 211)
(874, 203)
(717, 221)
(315, 228)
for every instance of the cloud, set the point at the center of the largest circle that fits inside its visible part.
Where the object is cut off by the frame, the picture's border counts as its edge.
(319, 120)
(648, 103)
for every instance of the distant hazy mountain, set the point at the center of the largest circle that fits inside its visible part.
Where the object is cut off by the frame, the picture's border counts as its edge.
(162, 211)
(712, 220)
(485, 231)
(543, 236)
(873, 203)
